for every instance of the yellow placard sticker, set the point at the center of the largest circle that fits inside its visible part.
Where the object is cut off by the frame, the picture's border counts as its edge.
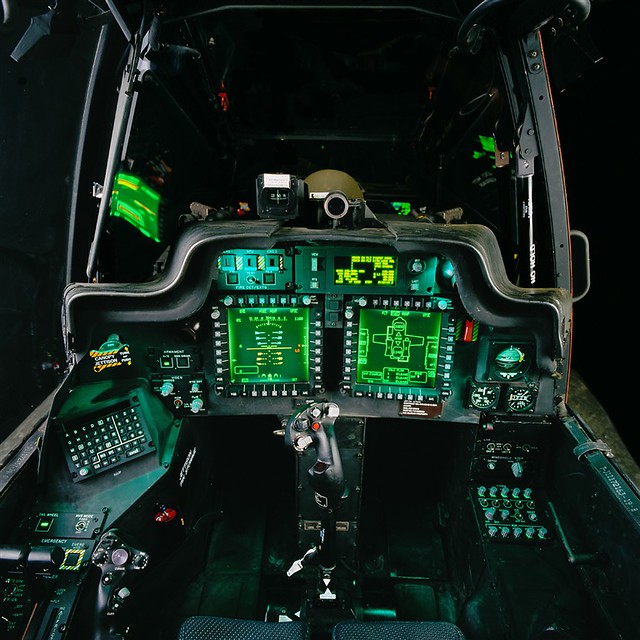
(112, 353)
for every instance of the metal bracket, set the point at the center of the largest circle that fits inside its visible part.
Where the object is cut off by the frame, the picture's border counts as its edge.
(527, 141)
(526, 145)
(588, 447)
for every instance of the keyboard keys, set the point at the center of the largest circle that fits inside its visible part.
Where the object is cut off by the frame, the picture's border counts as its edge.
(105, 442)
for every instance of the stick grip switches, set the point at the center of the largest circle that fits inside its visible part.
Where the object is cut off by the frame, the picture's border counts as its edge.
(314, 426)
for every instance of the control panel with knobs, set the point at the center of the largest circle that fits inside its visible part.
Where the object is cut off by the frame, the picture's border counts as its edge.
(509, 513)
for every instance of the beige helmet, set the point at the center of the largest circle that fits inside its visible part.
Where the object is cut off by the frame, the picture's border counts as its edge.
(330, 180)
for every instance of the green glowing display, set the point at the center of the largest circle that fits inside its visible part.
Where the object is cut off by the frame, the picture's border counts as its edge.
(365, 270)
(138, 204)
(487, 148)
(402, 208)
(398, 348)
(268, 346)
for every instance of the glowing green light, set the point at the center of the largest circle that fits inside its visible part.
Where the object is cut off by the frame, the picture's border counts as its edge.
(365, 270)
(487, 148)
(488, 144)
(137, 203)
(402, 208)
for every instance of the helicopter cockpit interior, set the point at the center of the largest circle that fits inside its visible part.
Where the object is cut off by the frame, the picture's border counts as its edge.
(318, 341)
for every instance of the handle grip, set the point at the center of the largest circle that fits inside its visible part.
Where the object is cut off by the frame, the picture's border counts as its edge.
(314, 426)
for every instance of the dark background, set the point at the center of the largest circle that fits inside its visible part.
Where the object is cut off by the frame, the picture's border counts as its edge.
(597, 120)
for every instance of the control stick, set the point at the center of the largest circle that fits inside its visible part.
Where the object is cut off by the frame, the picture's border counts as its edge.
(116, 560)
(313, 426)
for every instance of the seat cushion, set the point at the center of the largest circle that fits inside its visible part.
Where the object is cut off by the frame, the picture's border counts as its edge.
(397, 630)
(214, 628)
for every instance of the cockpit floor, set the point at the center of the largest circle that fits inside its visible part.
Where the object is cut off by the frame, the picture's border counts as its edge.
(400, 571)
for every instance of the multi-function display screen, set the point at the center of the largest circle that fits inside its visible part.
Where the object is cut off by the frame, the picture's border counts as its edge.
(365, 270)
(137, 203)
(268, 345)
(398, 348)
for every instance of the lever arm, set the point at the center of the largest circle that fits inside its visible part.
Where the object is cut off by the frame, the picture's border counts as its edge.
(314, 426)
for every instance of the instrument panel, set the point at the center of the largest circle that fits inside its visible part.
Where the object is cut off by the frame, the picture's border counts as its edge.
(379, 328)
(397, 334)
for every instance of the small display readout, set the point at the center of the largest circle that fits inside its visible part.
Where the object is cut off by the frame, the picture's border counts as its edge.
(365, 270)
(269, 346)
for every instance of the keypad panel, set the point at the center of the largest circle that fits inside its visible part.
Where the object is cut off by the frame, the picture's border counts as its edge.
(102, 441)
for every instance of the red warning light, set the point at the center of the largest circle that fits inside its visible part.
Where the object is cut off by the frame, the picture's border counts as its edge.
(166, 514)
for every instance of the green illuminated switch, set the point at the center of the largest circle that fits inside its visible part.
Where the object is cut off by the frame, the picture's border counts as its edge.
(44, 524)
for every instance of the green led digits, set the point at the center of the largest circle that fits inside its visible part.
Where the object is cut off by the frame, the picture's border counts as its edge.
(375, 271)
(268, 345)
(398, 347)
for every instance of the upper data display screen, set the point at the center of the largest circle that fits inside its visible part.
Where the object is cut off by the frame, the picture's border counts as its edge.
(365, 270)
